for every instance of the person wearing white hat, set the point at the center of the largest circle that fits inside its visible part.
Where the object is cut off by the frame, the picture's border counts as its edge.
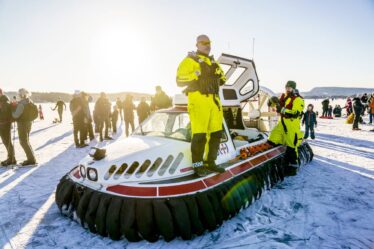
(26, 112)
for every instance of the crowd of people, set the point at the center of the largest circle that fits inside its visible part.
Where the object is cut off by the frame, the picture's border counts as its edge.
(356, 107)
(19, 114)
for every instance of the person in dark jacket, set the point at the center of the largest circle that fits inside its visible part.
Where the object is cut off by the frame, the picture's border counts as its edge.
(79, 119)
(60, 106)
(24, 126)
(128, 110)
(5, 129)
(161, 100)
(114, 118)
(329, 111)
(358, 109)
(364, 101)
(310, 121)
(89, 128)
(325, 107)
(119, 107)
(143, 110)
(102, 112)
(337, 111)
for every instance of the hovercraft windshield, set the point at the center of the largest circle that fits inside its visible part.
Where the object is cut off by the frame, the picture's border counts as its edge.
(173, 125)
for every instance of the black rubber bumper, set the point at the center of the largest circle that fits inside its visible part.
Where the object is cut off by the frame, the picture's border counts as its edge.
(151, 219)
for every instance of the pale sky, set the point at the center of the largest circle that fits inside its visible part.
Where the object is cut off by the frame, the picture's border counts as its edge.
(134, 45)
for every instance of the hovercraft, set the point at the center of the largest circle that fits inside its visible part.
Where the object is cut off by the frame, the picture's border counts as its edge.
(143, 187)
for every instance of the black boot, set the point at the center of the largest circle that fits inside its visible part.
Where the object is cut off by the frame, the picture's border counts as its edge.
(214, 142)
(212, 166)
(28, 162)
(202, 170)
(9, 161)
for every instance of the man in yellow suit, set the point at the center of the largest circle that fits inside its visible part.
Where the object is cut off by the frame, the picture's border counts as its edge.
(287, 131)
(202, 76)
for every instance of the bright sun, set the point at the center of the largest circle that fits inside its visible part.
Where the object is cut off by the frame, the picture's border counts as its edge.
(117, 53)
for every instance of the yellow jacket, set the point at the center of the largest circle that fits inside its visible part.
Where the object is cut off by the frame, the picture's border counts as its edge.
(190, 71)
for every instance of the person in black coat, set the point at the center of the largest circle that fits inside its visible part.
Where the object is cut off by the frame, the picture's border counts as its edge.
(337, 111)
(329, 111)
(60, 106)
(325, 107)
(143, 110)
(364, 101)
(79, 119)
(358, 109)
(128, 110)
(119, 105)
(310, 121)
(114, 118)
(102, 111)
(5, 129)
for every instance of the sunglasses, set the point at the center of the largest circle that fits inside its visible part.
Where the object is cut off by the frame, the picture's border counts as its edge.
(205, 43)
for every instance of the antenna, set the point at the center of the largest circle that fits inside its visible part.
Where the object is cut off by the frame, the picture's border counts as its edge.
(253, 48)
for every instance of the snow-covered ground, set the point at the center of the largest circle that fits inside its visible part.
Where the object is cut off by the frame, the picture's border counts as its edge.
(329, 204)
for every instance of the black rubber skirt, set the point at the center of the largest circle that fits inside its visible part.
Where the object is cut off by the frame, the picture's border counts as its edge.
(150, 219)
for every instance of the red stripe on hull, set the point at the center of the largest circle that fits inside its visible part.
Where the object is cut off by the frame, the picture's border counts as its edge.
(186, 169)
(133, 191)
(181, 189)
(241, 168)
(258, 160)
(211, 181)
(282, 149)
(273, 153)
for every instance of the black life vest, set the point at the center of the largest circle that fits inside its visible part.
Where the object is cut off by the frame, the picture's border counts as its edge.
(208, 81)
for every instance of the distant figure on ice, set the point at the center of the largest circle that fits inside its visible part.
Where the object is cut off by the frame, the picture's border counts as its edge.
(102, 111)
(60, 105)
(41, 115)
(161, 100)
(329, 111)
(128, 111)
(89, 128)
(114, 118)
(5, 129)
(358, 109)
(310, 121)
(25, 112)
(337, 111)
(143, 110)
(325, 107)
(348, 106)
(79, 119)
(364, 100)
(287, 131)
(371, 109)
(119, 105)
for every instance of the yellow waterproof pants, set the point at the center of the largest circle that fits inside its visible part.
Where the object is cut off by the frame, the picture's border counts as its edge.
(205, 111)
(292, 137)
